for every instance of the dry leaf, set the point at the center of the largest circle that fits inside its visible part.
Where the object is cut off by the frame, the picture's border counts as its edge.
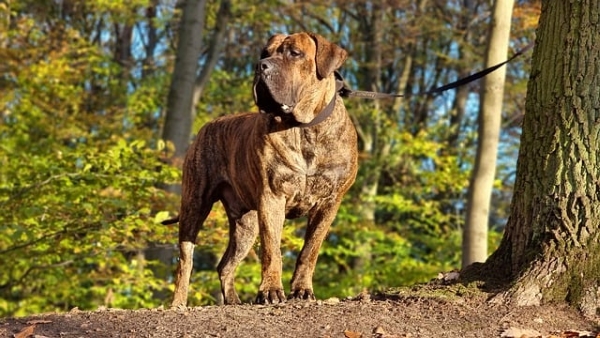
(514, 332)
(352, 334)
(26, 332)
(379, 330)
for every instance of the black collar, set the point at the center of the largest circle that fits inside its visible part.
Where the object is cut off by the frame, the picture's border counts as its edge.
(326, 112)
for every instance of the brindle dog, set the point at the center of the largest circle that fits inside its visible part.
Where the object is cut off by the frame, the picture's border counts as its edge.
(267, 167)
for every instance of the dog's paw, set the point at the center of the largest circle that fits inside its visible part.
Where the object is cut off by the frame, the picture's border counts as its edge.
(302, 294)
(179, 307)
(270, 296)
(232, 300)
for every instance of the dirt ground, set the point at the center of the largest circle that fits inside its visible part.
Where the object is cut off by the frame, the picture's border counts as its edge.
(437, 311)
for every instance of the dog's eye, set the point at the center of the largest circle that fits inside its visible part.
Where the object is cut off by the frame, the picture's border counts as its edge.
(295, 53)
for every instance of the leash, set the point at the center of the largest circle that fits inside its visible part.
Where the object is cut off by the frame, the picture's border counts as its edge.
(345, 92)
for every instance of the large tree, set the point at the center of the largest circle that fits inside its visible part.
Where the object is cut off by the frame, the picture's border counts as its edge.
(551, 247)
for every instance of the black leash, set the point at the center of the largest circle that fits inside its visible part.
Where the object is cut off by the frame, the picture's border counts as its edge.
(343, 90)
(347, 92)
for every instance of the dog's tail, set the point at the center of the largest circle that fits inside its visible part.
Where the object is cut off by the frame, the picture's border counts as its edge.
(170, 220)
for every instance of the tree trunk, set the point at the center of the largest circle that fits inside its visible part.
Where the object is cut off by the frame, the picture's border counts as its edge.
(178, 120)
(551, 248)
(372, 28)
(151, 40)
(216, 46)
(474, 246)
(4, 24)
(179, 117)
(459, 106)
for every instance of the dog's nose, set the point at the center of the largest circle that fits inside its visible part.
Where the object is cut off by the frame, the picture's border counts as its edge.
(264, 65)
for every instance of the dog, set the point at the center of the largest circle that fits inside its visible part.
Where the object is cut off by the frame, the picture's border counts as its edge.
(297, 157)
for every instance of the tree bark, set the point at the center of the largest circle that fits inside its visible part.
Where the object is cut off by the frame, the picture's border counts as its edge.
(373, 33)
(214, 50)
(551, 247)
(178, 120)
(474, 246)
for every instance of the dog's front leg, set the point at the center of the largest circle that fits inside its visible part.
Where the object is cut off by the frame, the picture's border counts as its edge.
(318, 225)
(271, 216)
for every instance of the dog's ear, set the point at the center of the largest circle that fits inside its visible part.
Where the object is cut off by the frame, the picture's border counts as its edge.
(329, 56)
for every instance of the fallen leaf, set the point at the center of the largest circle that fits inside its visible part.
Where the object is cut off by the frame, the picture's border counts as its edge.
(379, 330)
(352, 334)
(514, 332)
(26, 332)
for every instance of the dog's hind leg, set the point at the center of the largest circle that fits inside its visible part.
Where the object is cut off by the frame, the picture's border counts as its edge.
(184, 271)
(190, 222)
(242, 235)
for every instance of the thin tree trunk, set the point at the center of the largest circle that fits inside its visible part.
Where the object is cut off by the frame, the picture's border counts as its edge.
(151, 41)
(459, 105)
(216, 46)
(178, 120)
(372, 78)
(475, 234)
(4, 24)
(551, 247)
(373, 30)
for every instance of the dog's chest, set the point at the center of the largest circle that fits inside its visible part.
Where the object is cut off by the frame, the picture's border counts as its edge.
(310, 171)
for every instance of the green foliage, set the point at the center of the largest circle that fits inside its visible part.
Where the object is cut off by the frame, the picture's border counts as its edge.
(78, 218)
(78, 180)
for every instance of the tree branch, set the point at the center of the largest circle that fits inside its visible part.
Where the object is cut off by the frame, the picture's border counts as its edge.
(214, 50)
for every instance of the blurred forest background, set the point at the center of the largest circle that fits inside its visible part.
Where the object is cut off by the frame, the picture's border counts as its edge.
(83, 96)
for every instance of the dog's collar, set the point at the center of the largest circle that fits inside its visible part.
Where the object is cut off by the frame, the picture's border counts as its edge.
(326, 112)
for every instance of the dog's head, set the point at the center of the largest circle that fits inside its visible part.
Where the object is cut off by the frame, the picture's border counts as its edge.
(295, 75)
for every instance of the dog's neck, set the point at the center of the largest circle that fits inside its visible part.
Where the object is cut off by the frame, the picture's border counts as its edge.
(326, 104)
(323, 109)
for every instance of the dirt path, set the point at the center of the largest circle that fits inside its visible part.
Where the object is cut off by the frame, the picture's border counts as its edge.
(389, 316)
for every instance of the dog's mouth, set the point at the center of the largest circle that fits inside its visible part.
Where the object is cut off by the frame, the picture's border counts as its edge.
(269, 101)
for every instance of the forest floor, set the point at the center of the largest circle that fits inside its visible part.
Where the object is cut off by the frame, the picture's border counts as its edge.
(430, 310)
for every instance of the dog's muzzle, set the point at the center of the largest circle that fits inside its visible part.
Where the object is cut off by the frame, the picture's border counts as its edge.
(271, 92)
